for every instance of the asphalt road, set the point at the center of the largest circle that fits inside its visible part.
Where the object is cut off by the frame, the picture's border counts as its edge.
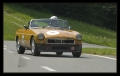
(49, 62)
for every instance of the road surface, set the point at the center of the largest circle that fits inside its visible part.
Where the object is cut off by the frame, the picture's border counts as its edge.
(49, 62)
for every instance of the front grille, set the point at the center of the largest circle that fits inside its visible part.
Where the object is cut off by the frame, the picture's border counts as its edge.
(67, 41)
(60, 41)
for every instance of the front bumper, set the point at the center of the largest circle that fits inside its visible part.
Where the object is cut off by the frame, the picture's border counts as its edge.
(59, 48)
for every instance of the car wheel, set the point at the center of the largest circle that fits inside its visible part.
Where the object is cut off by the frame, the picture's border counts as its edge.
(19, 48)
(59, 53)
(77, 54)
(34, 49)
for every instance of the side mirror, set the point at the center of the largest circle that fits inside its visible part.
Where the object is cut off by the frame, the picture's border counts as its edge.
(25, 27)
(69, 27)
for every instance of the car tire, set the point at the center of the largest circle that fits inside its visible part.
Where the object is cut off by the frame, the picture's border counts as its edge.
(19, 48)
(59, 53)
(34, 49)
(77, 54)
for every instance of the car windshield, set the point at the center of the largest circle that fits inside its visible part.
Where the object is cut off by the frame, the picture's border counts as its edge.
(49, 22)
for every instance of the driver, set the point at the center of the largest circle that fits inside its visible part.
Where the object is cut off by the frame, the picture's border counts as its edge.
(54, 21)
(53, 17)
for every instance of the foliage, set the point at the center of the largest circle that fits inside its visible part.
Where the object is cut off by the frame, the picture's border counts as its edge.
(99, 14)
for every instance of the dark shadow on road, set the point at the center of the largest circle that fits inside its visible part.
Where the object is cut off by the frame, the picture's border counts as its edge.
(54, 55)
(85, 57)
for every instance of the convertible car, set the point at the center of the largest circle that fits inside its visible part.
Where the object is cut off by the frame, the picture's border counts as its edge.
(48, 35)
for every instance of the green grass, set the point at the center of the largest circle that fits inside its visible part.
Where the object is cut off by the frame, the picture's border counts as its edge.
(21, 16)
(100, 51)
(10, 28)
(93, 34)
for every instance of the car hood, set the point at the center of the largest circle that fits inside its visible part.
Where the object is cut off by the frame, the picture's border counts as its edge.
(56, 33)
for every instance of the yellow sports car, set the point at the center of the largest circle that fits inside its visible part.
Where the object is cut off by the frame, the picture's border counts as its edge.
(48, 35)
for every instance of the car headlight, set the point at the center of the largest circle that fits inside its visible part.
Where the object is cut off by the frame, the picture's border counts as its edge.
(41, 36)
(78, 37)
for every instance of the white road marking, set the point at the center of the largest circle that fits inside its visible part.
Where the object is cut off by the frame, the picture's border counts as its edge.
(4, 46)
(47, 68)
(102, 56)
(25, 57)
(10, 51)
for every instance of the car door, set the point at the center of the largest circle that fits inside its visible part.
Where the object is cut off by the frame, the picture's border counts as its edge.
(22, 37)
(27, 36)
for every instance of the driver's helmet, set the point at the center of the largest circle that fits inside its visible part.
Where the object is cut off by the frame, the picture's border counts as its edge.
(53, 17)
(54, 22)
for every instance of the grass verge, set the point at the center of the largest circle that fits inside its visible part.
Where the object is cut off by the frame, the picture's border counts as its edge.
(99, 51)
